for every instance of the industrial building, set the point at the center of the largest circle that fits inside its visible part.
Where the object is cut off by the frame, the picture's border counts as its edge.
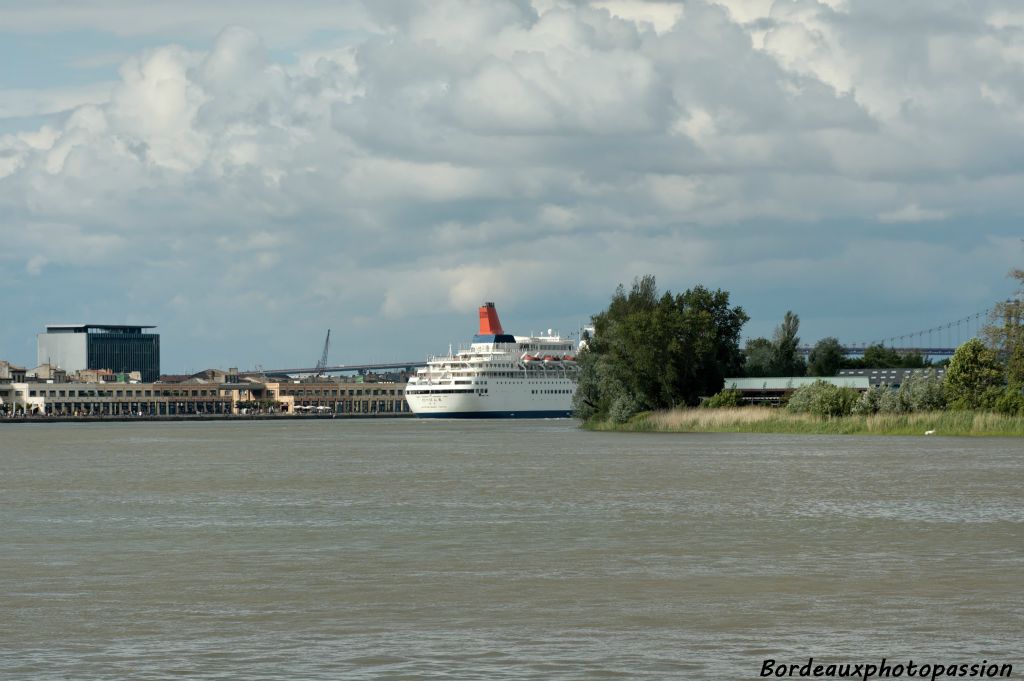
(118, 348)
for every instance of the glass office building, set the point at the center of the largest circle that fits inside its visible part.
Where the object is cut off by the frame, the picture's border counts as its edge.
(101, 346)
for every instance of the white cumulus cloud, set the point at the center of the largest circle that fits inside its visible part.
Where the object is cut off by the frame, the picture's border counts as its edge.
(436, 153)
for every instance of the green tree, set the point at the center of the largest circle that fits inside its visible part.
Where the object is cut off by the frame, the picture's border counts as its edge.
(786, 361)
(913, 360)
(589, 398)
(974, 379)
(757, 358)
(1005, 332)
(826, 357)
(877, 356)
(655, 352)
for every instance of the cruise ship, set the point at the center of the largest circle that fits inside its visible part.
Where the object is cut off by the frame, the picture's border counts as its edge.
(498, 376)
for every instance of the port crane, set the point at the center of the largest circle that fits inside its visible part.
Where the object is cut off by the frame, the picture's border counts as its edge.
(322, 364)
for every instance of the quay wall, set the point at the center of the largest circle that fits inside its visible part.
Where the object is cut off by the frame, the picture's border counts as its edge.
(194, 418)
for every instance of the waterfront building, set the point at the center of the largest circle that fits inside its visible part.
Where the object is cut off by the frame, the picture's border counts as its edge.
(340, 397)
(9, 373)
(117, 348)
(199, 396)
(105, 376)
(14, 400)
(47, 372)
(113, 399)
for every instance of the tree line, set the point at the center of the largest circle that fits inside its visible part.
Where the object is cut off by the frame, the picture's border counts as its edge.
(975, 380)
(780, 356)
(654, 350)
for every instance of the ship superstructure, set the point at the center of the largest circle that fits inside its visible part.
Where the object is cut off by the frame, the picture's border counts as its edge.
(498, 376)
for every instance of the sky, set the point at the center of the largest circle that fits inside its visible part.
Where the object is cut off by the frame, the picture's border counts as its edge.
(246, 175)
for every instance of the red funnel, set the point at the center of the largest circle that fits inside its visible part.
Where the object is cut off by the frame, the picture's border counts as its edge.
(489, 324)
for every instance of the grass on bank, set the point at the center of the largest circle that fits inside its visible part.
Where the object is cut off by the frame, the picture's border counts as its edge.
(769, 420)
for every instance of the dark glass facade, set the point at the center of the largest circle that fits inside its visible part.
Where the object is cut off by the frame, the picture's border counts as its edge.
(125, 350)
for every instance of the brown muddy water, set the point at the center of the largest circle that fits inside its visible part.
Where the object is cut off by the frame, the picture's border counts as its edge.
(498, 550)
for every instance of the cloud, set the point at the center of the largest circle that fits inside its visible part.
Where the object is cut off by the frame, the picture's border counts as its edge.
(46, 243)
(911, 213)
(24, 103)
(661, 16)
(539, 153)
(191, 19)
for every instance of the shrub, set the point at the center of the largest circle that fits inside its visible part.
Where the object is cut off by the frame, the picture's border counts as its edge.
(823, 399)
(893, 401)
(920, 391)
(870, 401)
(726, 398)
(923, 391)
(843, 402)
(1011, 401)
(623, 408)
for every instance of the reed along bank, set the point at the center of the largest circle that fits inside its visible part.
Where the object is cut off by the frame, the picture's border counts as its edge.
(769, 420)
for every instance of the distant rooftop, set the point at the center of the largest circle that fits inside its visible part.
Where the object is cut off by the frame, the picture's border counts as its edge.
(890, 377)
(85, 328)
(794, 382)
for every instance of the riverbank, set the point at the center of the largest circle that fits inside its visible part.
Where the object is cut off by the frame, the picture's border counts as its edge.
(767, 420)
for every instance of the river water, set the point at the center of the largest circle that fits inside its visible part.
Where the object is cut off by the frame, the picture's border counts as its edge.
(406, 549)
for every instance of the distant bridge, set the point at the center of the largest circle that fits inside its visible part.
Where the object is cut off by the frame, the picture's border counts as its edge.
(941, 340)
(343, 368)
(848, 350)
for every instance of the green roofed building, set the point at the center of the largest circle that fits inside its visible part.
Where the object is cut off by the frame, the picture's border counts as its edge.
(772, 390)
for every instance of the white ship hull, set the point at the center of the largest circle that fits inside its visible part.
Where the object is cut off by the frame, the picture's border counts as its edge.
(505, 398)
